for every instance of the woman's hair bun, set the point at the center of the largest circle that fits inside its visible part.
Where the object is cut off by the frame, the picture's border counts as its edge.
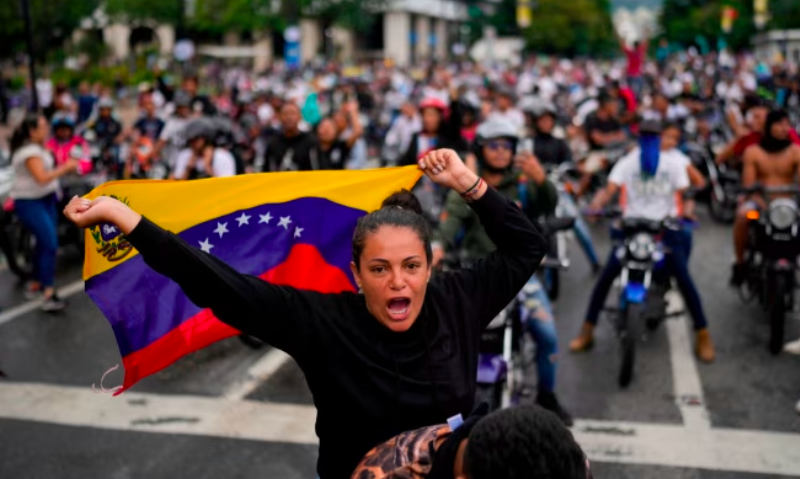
(403, 199)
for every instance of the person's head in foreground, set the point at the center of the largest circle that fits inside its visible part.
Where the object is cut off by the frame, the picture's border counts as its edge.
(523, 442)
(392, 260)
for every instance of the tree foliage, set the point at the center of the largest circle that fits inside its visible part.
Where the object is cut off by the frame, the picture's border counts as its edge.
(52, 22)
(574, 27)
(685, 21)
(221, 16)
(145, 11)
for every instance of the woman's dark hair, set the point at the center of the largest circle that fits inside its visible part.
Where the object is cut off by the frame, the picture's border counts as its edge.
(399, 209)
(22, 134)
(523, 442)
(671, 125)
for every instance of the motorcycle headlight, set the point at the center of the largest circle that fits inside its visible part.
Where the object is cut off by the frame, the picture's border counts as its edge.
(641, 246)
(782, 213)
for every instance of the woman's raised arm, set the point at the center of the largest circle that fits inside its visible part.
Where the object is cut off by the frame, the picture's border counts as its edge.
(278, 315)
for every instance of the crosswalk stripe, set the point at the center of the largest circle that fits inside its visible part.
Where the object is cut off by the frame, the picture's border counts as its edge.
(732, 450)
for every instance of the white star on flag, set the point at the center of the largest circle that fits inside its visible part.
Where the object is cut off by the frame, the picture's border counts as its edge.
(222, 228)
(285, 220)
(264, 218)
(244, 219)
(206, 246)
(297, 232)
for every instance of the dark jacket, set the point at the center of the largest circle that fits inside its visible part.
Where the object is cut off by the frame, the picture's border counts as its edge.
(369, 383)
(457, 217)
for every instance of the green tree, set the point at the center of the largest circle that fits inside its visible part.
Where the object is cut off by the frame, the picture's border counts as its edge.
(221, 16)
(52, 21)
(785, 14)
(684, 21)
(574, 27)
(142, 11)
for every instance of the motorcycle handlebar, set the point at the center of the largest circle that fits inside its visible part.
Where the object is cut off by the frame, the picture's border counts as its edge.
(758, 188)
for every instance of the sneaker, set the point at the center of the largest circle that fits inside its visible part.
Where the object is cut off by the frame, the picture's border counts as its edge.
(32, 294)
(549, 401)
(792, 347)
(53, 304)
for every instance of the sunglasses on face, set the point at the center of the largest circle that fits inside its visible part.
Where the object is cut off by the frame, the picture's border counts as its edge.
(499, 145)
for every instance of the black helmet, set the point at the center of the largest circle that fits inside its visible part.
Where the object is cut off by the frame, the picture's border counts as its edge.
(200, 128)
(182, 99)
(653, 127)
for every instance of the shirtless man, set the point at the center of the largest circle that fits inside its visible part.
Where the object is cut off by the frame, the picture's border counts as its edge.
(774, 161)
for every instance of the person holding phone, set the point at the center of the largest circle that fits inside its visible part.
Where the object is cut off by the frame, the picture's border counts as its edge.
(522, 179)
(34, 191)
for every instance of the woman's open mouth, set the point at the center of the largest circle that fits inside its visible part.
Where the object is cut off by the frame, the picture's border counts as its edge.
(398, 308)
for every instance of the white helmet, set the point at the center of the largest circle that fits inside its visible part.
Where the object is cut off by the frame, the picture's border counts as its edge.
(496, 128)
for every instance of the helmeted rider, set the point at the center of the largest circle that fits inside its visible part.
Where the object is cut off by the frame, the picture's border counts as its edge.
(651, 182)
(202, 158)
(528, 186)
(66, 145)
(552, 150)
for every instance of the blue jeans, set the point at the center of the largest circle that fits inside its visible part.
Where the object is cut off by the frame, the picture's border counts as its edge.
(567, 202)
(676, 265)
(39, 217)
(538, 317)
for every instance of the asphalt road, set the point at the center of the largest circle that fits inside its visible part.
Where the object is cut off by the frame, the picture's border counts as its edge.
(233, 411)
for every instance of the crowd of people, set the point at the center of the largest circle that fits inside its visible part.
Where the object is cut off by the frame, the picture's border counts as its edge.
(489, 139)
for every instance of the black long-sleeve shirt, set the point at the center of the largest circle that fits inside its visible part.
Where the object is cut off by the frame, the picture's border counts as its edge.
(368, 383)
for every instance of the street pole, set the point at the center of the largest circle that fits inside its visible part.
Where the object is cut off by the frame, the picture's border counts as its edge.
(26, 14)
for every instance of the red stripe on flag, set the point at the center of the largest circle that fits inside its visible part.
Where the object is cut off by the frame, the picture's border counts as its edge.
(195, 333)
(304, 268)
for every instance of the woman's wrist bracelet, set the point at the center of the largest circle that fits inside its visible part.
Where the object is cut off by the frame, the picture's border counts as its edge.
(473, 187)
(469, 194)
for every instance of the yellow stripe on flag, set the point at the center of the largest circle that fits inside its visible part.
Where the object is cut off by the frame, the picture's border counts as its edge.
(179, 205)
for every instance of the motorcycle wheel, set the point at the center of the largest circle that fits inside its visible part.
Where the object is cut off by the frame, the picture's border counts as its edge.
(632, 315)
(491, 394)
(777, 314)
(719, 211)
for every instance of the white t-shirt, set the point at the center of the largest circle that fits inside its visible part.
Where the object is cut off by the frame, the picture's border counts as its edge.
(25, 186)
(653, 197)
(222, 163)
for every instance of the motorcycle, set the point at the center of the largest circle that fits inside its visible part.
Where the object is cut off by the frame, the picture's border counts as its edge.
(500, 361)
(10, 229)
(724, 183)
(644, 282)
(504, 351)
(557, 258)
(772, 258)
(556, 230)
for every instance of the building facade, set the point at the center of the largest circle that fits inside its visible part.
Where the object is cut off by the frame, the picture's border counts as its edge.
(404, 32)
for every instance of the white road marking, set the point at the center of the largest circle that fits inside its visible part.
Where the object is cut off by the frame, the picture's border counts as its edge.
(734, 450)
(174, 414)
(685, 378)
(17, 311)
(258, 373)
(603, 441)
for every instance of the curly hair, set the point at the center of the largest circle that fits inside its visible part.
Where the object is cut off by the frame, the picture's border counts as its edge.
(524, 442)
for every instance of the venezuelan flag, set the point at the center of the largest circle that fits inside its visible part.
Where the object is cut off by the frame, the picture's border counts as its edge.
(292, 228)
